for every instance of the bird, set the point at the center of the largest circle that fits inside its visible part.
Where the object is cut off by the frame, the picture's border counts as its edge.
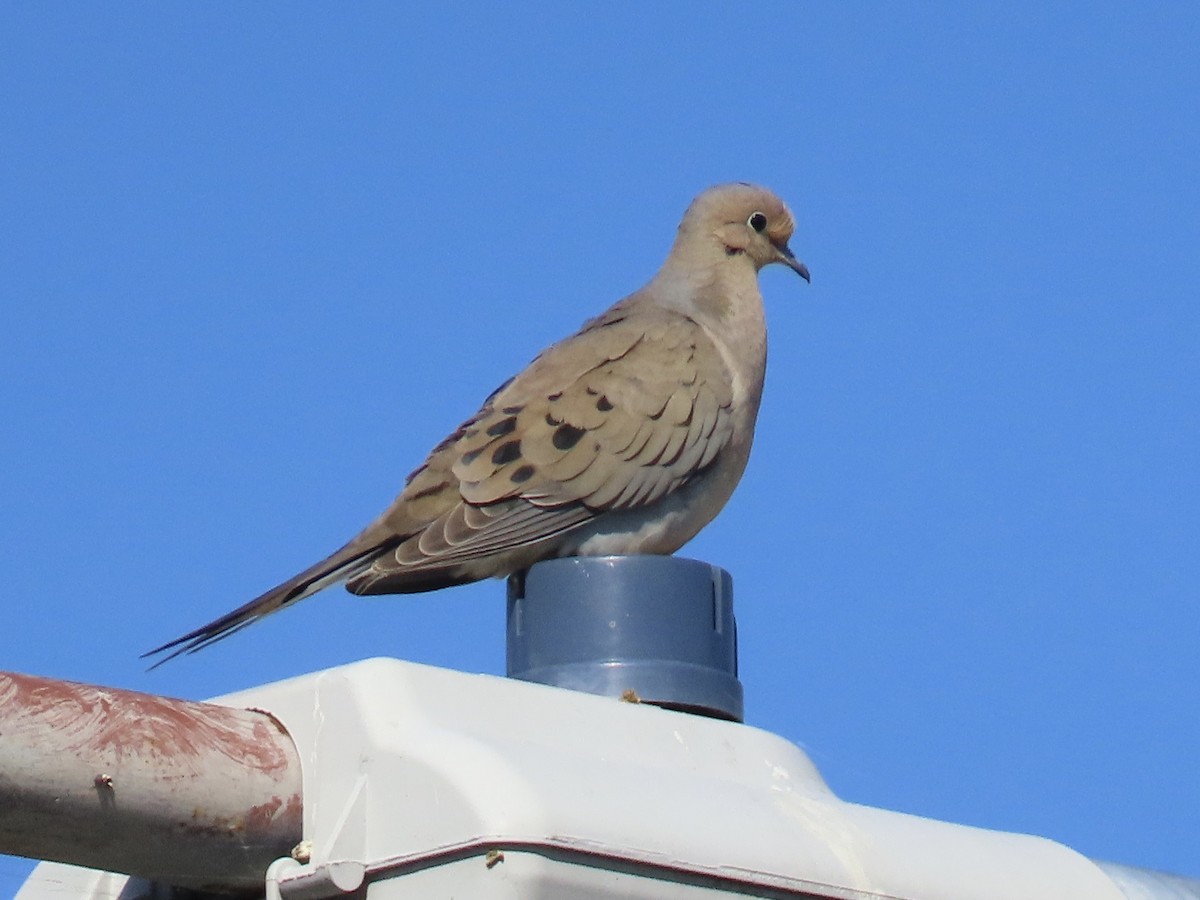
(627, 437)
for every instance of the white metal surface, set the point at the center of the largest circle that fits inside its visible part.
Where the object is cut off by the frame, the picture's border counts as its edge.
(423, 782)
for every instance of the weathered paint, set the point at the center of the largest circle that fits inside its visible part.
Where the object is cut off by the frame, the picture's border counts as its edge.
(187, 793)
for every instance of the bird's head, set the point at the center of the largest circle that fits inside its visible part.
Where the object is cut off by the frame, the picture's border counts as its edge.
(746, 220)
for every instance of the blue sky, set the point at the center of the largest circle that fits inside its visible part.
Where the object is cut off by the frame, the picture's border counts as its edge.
(258, 260)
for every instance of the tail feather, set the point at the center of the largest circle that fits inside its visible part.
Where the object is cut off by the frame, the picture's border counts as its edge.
(347, 562)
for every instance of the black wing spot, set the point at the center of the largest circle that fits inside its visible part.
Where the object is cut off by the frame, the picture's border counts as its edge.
(506, 453)
(522, 474)
(503, 427)
(566, 436)
(512, 410)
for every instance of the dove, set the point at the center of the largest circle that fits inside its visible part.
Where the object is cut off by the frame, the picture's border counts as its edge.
(627, 437)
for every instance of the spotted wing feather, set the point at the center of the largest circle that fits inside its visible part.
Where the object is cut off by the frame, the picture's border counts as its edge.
(615, 418)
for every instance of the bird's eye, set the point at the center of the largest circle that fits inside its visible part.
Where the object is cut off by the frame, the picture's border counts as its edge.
(757, 221)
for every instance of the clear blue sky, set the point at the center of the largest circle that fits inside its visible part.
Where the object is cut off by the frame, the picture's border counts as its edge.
(257, 260)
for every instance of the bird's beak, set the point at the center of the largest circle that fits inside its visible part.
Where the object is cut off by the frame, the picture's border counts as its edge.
(788, 258)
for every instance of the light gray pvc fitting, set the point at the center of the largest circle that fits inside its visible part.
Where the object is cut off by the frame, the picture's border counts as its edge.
(660, 627)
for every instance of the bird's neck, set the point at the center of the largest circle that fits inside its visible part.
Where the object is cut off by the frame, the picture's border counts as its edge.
(722, 298)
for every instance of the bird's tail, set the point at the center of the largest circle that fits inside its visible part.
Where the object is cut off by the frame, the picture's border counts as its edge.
(347, 562)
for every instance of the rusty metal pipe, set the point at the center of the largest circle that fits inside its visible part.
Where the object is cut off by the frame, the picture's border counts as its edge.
(190, 794)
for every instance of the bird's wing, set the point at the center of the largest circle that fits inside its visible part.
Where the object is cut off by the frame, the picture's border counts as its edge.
(614, 418)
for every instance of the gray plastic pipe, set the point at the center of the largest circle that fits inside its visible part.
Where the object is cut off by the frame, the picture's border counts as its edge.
(655, 629)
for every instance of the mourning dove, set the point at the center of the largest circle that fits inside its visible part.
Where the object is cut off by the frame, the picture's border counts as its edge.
(626, 438)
